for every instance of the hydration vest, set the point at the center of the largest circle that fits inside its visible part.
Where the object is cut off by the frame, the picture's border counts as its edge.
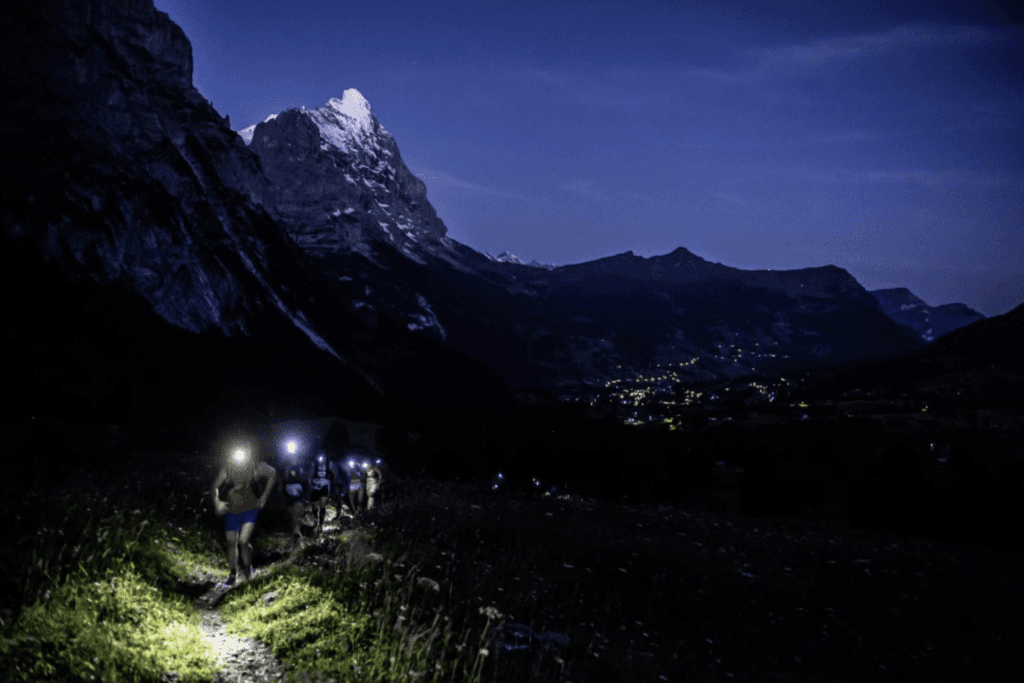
(322, 476)
(295, 486)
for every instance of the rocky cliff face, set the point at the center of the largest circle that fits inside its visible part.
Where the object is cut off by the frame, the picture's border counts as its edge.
(131, 190)
(127, 175)
(339, 183)
(930, 322)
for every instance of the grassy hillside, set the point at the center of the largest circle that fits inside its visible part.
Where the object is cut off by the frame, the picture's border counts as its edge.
(454, 582)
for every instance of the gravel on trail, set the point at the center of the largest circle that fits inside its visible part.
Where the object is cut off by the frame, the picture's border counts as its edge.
(244, 660)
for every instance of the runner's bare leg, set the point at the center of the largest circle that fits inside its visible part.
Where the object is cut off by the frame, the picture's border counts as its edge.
(232, 539)
(245, 547)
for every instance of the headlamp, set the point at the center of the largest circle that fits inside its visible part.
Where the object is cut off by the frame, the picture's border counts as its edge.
(292, 447)
(239, 455)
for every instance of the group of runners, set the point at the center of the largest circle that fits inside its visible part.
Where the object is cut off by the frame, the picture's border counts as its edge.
(349, 483)
(352, 485)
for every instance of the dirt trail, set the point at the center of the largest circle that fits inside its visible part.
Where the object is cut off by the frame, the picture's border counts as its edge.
(246, 660)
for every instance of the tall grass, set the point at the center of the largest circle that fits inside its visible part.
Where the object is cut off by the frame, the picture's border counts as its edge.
(454, 583)
(96, 568)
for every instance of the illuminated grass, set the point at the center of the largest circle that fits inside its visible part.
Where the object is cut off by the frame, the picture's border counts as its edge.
(97, 581)
(117, 629)
(453, 583)
(309, 629)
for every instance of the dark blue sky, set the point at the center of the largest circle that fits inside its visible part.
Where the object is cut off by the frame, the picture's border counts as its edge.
(883, 137)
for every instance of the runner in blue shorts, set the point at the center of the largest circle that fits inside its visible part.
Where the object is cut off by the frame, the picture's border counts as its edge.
(242, 506)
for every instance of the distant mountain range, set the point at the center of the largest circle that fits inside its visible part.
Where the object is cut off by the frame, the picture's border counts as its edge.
(152, 257)
(341, 190)
(931, 322)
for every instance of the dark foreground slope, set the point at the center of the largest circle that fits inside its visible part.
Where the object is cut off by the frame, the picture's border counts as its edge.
(454, 583)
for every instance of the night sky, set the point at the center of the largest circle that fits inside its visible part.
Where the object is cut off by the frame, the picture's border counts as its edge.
(882, 137)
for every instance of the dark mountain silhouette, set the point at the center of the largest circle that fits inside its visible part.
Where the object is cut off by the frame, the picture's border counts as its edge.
(930, 322)
(973, 366)
(145, 274)
(991, 342)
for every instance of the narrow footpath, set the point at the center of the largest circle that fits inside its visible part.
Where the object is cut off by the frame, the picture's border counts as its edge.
(246, 660)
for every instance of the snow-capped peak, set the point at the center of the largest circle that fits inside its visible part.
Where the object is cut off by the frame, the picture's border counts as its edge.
(247, 133)
(505, 257)
(353, 105)
(344, 120)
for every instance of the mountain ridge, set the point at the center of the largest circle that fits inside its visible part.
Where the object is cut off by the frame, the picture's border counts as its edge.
(930, 322)
(347, 205)
(317, 227)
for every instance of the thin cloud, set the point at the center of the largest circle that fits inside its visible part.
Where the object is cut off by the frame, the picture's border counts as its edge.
(812, 56)
(585, 187)
(609, 88)
(439, 180)
(929, 177)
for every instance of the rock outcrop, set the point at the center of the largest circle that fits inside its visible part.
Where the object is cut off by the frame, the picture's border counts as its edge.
(339, 183)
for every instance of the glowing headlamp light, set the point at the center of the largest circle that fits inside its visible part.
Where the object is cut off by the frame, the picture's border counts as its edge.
(239, 455)
(292, 447)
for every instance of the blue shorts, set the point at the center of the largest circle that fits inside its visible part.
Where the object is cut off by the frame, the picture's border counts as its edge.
(233, 522)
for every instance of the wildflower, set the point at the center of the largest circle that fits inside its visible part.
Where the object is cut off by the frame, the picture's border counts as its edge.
(491, 612)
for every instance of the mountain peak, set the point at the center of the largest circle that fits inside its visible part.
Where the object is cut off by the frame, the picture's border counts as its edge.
(343, 120)
(506, 257)
(353, 105)
(931, 322)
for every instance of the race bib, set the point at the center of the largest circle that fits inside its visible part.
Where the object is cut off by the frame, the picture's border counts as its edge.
(321, 483)
(293, 490)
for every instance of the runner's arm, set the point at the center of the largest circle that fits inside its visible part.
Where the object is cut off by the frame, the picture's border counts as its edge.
(270, 474)
(218, 504)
